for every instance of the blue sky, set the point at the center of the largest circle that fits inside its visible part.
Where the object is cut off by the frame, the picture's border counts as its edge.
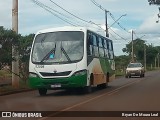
(140, 17)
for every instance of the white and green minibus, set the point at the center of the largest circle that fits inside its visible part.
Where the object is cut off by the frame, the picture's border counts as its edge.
(70, 57)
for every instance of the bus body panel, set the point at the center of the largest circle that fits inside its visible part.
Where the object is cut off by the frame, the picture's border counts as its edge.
(99, 69)
(42, 70)
(65, 82)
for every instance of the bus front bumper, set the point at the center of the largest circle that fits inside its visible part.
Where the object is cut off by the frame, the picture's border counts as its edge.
(58, 83)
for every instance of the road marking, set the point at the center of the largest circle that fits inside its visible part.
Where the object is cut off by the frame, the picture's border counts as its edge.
(89, 100)
(113, 92)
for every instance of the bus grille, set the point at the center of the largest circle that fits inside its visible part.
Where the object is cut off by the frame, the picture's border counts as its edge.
(45, 74)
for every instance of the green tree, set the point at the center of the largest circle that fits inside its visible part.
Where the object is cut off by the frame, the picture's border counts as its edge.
(23, 43)
(151, 53)
(138, 48)
(7, 39)
(138, 45)
(154, 2)
(24, 49)
(121, 61)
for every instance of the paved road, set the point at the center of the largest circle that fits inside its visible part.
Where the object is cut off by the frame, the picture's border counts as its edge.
(123, 94)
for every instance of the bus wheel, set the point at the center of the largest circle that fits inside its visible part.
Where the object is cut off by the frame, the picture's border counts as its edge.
(102, 86)
(42, 91)
(84, 90)
(87, 89)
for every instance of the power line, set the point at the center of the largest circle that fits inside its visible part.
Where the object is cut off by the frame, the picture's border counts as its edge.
(118, 22)
(118, 35)
(49, 9)
(45, 7)
(113, 36)
(90, 22)
(98, 5)
(102, 8)
(69, 12)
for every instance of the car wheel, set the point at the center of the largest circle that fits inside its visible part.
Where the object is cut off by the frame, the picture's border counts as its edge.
(143, 75)
(42, 91)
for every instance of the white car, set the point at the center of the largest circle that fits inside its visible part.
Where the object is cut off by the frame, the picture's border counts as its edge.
(135, 69)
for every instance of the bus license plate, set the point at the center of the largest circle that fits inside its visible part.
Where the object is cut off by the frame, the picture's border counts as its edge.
(56, 86)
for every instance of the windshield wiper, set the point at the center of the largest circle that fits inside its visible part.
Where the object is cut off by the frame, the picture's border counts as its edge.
(47, 55)
(63, 50)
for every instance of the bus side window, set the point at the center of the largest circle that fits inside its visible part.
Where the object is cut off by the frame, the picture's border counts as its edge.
(95, 45)
(111, 56)
(101, 50)
(89, 44)
(106, 48)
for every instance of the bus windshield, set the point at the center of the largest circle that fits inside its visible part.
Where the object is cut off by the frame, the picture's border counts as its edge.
(58, 47)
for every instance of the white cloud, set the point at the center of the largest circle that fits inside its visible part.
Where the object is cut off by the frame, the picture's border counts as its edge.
(150, 26)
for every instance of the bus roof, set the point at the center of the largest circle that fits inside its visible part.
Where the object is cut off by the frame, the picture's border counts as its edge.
(68, 28)
(65, 28)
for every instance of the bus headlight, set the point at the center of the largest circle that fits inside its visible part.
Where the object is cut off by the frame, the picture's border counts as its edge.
(33, 75)
(81, 72)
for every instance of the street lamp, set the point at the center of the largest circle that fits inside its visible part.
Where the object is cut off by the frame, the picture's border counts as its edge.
(117, 20)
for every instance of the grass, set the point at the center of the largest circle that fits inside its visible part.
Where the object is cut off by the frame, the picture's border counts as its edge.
(7, 76)
(4, 73)
(10, 89)
(119, 73)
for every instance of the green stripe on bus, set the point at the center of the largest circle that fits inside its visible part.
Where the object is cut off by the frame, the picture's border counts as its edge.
(70, 82)
(106, 66)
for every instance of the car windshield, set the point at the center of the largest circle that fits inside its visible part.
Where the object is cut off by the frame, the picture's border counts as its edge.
(133, 65)
(58, 47)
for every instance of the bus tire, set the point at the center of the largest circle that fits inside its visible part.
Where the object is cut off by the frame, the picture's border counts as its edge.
(88, 89)
(84, 90)
(42, 91)
(91, 79)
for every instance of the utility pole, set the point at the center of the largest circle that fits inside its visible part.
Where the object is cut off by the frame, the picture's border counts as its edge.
(132, 47)
(158, 59)
(145, 67)
(107, 34)
(155, 62)
(15, 54)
